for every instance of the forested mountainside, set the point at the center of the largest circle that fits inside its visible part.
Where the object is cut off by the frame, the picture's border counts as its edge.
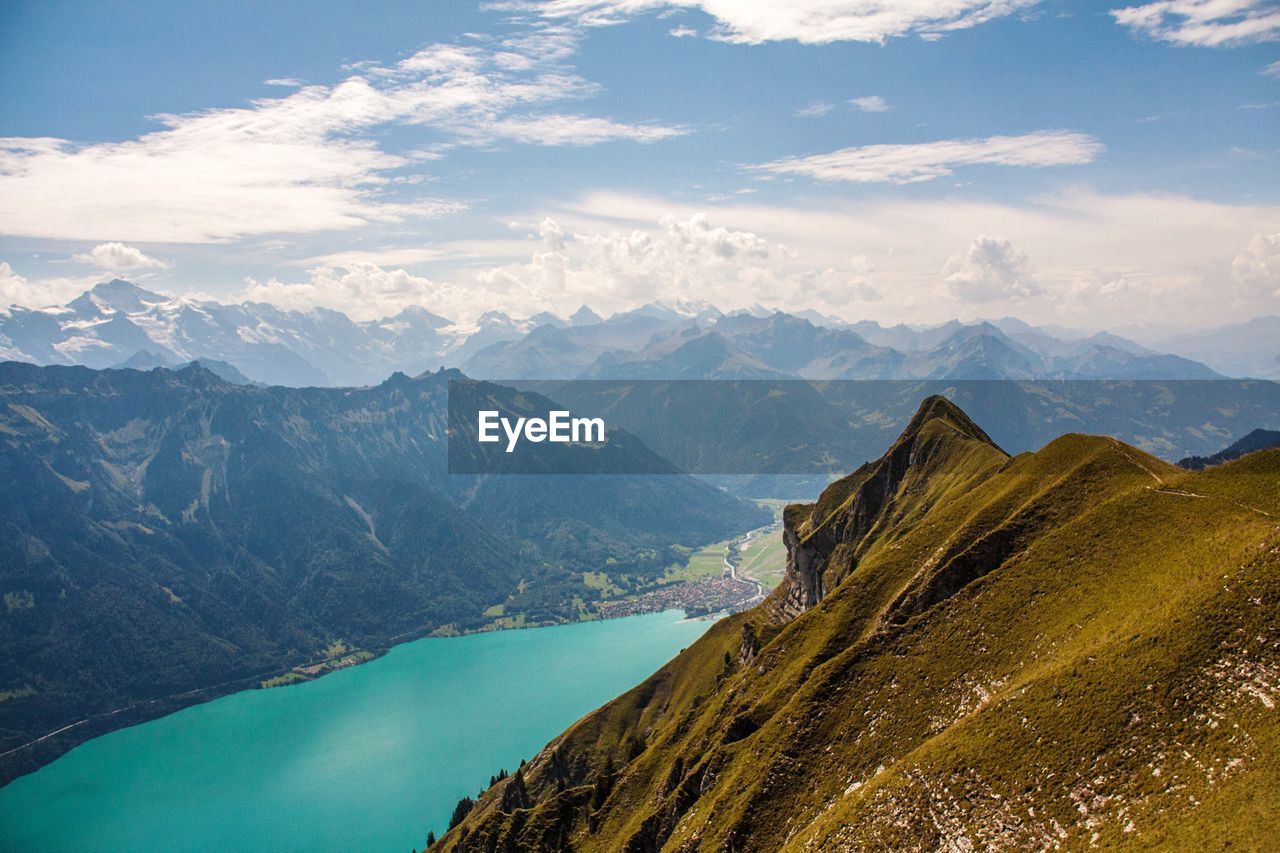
(166, 531)
(1258, 439)
(1064, 648)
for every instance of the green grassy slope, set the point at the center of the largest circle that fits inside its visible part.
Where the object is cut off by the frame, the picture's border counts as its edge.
(1072, 647)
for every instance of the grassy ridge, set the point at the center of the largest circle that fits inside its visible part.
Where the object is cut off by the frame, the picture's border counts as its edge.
(1070, 647)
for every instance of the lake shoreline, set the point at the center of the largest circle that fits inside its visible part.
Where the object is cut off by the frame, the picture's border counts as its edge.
(31, 756)
(427, 718)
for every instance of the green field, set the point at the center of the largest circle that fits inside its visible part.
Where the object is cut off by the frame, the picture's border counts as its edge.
(765, 559)
(704, 563)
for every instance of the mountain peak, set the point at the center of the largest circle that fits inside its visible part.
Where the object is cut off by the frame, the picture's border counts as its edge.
(584, 316)
(938, 409)
(117, 295)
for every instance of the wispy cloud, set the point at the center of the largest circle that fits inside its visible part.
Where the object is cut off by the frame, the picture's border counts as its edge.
(312, 160)
(805, 21)
(815, 110)
(870, 104)
(558, 129)
(1203, 23)
(912, 163)
(117, 257)
(1272, 70)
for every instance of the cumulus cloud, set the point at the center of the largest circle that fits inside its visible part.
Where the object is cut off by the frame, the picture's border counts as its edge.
(805, 21)
(990, 269)
(1161, 257)
(312, 160)
(364, 291)
(911, 163)
(1257, 268)
(870, 104)
(16, 289)
(117, 257)
(1203, 23)
(678, 257)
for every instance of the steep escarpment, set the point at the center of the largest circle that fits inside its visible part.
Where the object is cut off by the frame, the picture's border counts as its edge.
(1072, 647)
(940, 449)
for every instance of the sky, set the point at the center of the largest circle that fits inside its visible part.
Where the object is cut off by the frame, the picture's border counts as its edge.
(1098, 165)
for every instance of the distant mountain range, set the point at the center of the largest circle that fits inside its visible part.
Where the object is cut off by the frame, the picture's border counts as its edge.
(117, 323)
(1072, 648)
(163, 532)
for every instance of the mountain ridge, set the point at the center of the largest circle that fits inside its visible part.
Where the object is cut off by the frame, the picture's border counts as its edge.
(1071, 647)
(115, 320)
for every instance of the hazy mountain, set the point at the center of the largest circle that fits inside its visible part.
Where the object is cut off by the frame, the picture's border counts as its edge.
(690, 353)
(115, 320)
(1259, 439)
(552, 353)
(147, 360)
(164, 531)
(584, 316)
(1069, 648)
(1243, 349)
(798, 347)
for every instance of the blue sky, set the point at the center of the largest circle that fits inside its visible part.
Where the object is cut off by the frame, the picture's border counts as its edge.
(1098, 164)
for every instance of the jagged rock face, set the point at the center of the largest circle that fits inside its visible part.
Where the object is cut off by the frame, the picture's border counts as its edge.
(824, 540)
(802, 581)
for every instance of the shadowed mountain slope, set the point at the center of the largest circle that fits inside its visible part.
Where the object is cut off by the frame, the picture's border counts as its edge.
(970, 651)
(1258, 439)
(167, 531)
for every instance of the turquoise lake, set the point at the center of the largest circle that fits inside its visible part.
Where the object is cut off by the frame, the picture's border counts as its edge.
(368, 758)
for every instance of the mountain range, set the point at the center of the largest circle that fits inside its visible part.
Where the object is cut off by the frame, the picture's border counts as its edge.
(1076, 647)
(118, 323)
(168, 533)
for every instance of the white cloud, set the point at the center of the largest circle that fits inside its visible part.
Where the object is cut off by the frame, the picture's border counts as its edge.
(285, 82)
(39, 293)
(990, 269)
(683, 256)
(117, 257)
(1099, 260)
(683, 32)
(870, 104)
(1257, 268)
(911, 163)
(1272, 70)
(815, 110)
(363, 291)
(1203, 23)
(558, 129)
(388, 256)
(805, 21)
(312, 160)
